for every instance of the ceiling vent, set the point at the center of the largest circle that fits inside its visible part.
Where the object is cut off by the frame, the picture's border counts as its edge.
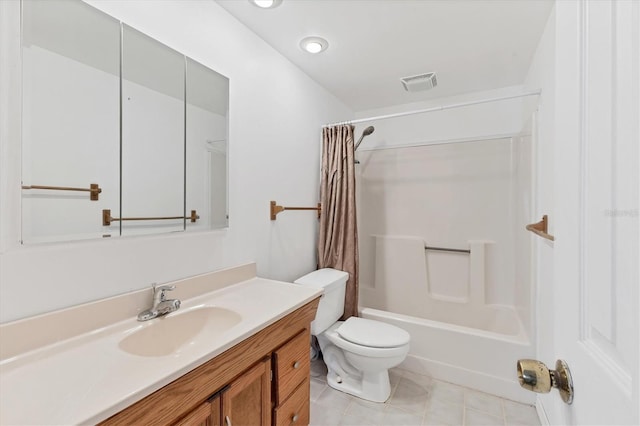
(420, 82)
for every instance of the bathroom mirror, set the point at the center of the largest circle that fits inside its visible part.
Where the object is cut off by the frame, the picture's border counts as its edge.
(122, 135)
(70, 119)
(206, 163)
(153, 135)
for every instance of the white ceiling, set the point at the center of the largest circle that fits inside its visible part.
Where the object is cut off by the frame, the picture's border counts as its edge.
(472, 45)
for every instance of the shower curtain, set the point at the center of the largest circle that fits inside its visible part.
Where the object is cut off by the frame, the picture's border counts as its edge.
(338, 237)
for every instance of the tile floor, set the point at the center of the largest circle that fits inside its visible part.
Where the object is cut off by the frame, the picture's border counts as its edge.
(415, 400)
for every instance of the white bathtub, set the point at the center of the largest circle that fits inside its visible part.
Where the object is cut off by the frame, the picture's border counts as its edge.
(478, 349)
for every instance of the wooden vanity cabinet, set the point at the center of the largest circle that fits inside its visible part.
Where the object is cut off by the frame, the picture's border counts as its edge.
(207, 414)
(292, 366)
(247, 401)
(262, 380)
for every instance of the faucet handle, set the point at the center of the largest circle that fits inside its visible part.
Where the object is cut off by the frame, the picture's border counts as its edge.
(158, 292)
(157, 287)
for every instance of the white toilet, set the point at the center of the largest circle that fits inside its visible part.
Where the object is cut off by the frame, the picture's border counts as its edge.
(358, 352)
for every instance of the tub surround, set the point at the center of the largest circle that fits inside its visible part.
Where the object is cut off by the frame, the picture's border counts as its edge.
(66, 367)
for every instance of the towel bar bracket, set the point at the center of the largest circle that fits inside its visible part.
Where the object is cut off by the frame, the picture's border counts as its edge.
(540, 228)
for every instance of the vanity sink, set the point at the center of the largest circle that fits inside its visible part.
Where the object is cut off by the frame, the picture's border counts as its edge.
(169, 334)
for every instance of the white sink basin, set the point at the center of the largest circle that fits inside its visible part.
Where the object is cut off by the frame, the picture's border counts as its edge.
(169, 334)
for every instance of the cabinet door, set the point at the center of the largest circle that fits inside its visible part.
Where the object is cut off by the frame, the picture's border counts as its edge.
(207, 414)
(247, 401)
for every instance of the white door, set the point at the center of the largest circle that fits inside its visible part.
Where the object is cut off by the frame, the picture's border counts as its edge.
(596, 207)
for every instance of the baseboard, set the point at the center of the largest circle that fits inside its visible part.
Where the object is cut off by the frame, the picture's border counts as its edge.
(471, 379)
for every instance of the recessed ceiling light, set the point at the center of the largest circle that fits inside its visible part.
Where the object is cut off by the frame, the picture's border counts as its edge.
(266, 4)
(314, 44)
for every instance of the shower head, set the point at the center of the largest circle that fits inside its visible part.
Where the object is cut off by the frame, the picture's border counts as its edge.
(365, 132)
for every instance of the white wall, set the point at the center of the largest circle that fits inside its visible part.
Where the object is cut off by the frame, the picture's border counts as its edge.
(275, 115)
(490, 120)
(542, 75)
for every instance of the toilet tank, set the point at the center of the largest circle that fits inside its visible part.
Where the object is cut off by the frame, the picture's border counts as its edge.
(331, 304)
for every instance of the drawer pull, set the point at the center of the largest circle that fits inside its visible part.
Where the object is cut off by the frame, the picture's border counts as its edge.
(296, 364)
(227, 420)
(294, 418)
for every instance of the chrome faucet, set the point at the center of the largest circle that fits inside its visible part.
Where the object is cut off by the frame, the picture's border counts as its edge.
(161, 305)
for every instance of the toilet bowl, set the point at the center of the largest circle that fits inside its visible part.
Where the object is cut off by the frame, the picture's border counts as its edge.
(358, 352)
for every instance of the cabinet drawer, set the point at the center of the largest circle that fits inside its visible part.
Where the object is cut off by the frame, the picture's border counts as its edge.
(295, 410)
(292, 365)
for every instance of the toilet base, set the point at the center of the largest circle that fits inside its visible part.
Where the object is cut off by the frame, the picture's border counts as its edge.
(343, 376)
(373, 387)
(359, 371)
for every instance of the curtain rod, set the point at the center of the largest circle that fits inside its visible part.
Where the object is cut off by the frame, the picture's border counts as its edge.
(501, 136)
(438, 108)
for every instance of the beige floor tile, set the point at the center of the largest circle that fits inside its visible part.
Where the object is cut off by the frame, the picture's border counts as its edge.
(484, 402)
(317, 387)
(417, 400)
(372, 412)
(333, 400)
(398, 417)
(324, 416)
(442, 412)
(448, 392)
(410, 396)
(354, 421)
(478, 418)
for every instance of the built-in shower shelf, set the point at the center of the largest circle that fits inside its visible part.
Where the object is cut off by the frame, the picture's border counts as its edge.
(540, 228)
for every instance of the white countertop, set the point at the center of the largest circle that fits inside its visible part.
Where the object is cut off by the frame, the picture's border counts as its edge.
(88, 378)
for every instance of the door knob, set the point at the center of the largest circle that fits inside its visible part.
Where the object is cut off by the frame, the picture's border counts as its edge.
(533, 375)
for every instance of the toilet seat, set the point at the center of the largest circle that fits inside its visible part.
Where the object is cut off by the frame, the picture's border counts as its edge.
(334, 337)
(371, 333)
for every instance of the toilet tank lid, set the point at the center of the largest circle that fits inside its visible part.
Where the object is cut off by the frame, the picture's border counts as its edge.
(372, 333)
(325, 278)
